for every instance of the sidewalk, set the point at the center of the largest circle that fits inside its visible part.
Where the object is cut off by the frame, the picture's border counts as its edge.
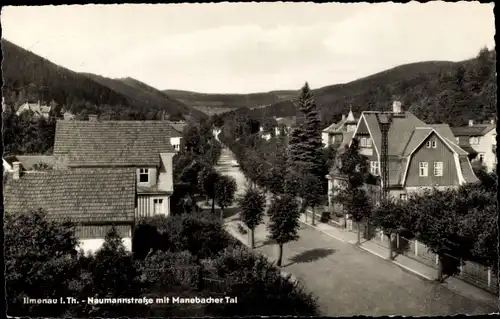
(406, 263)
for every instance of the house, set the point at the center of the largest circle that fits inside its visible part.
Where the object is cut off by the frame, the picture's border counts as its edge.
(68, 115)
(142, 145)
(37, 109)
(285, 125)
(341, 133)
(480, 141)
(177, 132)
(93, 199)
(420, 156)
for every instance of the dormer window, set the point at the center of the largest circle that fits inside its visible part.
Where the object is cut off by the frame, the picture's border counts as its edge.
(143, 175)
(366, 142)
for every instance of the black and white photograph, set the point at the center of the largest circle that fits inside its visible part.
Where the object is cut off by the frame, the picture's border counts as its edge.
(241, 159)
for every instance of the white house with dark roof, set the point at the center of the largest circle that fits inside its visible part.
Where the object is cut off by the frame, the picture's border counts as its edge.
(93, 199)
(177, 132)
(339, 134)
(142, 145)
(419, 155)
(480, 141)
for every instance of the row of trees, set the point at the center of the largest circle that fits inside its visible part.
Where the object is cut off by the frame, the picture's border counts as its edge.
(188, 255)
(292, 169)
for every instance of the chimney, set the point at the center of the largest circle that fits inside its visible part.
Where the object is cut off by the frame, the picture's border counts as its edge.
(471, 122)
(93, 118)
(16, 167)
(344, 117)
(396, 107)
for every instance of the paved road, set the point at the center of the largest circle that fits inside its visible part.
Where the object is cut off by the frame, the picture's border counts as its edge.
(349, 281)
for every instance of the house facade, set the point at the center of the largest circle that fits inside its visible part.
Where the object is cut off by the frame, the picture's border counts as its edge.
(480, 141)
(176, 139)
(420, 156)
(338, 134)
(94, 200)
(144, 146)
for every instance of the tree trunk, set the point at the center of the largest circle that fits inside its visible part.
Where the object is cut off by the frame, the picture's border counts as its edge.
(280, 255)
(252, 238)
(440, 269)
(314, 215)
(213, 205)
(206, 200)
(389, 236)
(359, 233)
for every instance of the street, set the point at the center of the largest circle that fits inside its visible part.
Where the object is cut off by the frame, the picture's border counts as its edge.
(349, 281)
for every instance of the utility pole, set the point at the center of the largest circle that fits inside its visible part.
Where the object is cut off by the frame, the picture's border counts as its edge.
(385, 120)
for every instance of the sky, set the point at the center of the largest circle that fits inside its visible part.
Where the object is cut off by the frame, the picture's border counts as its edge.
(249, 47)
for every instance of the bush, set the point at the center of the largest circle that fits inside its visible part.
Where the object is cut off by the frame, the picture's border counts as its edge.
(325, 217)
(259, 286)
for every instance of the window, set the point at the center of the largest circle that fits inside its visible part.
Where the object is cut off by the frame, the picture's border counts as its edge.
(143, 175)
(157, 205)
(473, 140)
(366, 142)
(429, 144)
(423, 169)
(375, 168)
(434, 144)
(438, 168)
(403, 196)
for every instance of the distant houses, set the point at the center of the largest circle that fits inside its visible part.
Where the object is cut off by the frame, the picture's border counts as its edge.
(341, 133)
(419, 155)
(177, 132)
(36, 109)
(480, 141)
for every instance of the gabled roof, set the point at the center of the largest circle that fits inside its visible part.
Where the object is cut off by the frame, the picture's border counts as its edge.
(474, 130)
(112, 143)
(287, 121)
(34, 107)
(178, 127)
(81, 195)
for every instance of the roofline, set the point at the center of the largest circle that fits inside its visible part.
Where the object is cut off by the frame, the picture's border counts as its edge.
(369, 132)
(461, 179)
(108, 166)
(420, 144)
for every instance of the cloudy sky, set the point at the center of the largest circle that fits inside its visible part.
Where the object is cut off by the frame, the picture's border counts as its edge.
(250, 47)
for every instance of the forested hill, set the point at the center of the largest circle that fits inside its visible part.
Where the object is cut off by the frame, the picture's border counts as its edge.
(29, 77)
(436, 92)
(218, 103)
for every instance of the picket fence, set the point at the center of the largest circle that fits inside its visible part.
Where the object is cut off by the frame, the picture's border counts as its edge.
(471, 272)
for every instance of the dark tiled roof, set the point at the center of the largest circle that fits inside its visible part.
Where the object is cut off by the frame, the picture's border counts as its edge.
(113, 143)
(81, 195)
(475, 130)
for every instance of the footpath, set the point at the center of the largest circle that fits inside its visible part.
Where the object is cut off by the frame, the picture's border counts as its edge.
(408, 264)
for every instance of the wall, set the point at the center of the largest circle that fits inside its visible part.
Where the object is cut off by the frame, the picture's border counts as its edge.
(94, 244)
(152, 177)
(485, 147)
(145, 205)
(324, 139)
(430, 155)
(165, 177)
(176, 142)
